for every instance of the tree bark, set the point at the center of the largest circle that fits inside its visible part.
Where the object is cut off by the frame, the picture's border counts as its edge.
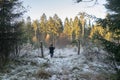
(41, 46)
(78, 47)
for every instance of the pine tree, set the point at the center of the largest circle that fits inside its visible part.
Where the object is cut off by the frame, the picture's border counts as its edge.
(58, 24)
(83, 22)
(68, 28)
(52, 29)
(29, 30)
(10, 11)
(43, 24)
(76, 27)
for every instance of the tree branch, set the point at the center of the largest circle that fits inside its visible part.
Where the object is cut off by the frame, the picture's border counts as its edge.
(78, 1)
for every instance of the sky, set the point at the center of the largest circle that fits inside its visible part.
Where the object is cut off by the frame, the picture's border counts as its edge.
(63, 8)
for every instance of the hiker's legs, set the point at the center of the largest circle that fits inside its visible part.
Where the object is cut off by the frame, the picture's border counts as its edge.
(51, 54)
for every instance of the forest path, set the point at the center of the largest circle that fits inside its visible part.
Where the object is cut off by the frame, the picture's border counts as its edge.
(65, 65)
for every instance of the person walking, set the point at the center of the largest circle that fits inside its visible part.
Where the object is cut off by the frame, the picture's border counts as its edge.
(51, 49)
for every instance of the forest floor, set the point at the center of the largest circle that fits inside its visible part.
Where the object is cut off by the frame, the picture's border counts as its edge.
(65, 65)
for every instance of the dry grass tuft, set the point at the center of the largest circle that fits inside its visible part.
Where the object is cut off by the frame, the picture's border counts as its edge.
(43, 74)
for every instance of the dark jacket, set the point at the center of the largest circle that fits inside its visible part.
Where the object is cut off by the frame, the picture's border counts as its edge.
(51, 48)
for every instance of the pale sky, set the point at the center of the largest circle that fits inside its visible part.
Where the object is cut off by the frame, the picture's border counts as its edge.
(63, 8)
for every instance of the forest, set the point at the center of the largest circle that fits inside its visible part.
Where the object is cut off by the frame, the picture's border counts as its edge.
(86, 47)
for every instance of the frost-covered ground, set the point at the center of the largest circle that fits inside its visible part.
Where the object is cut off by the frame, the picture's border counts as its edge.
(65, 65)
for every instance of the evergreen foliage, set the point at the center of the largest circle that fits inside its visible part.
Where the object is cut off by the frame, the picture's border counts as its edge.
(10, 31)
(113, 22)
(29, 32)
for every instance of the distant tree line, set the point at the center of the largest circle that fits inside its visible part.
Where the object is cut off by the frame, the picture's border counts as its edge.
(52, 29)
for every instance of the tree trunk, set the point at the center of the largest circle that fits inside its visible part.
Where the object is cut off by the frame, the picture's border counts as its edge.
(41, 46)
(78, 47)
